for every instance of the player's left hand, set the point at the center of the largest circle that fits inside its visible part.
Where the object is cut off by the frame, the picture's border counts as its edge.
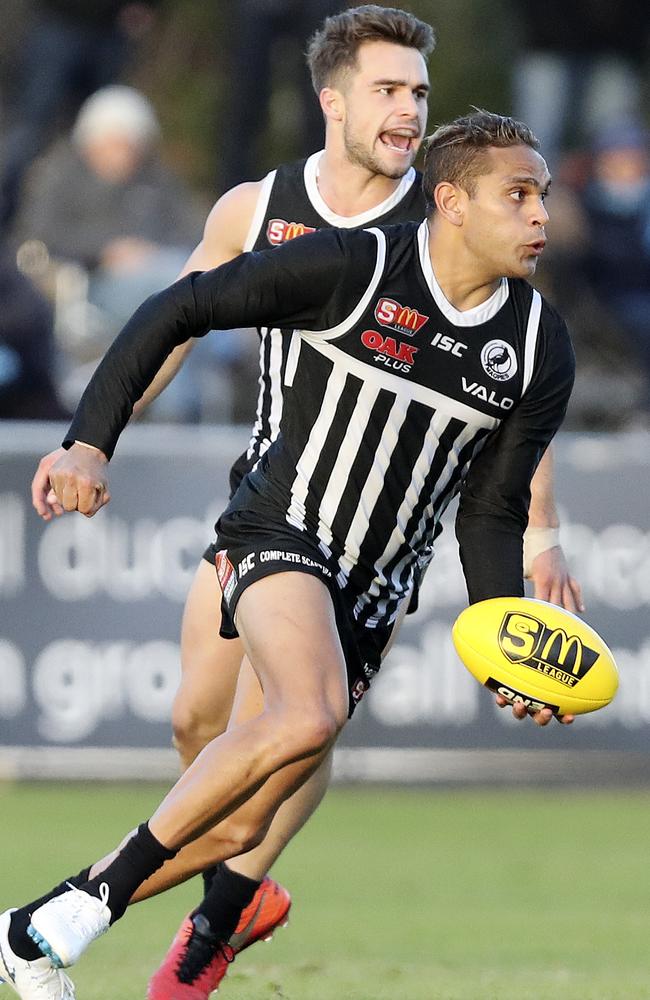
(541, 718)
(553, 582)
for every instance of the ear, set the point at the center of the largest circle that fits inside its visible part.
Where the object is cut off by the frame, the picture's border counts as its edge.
(332, 104)
(450, 202)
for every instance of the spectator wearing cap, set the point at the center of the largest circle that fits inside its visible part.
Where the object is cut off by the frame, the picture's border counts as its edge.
(105, 200)
(71, 48)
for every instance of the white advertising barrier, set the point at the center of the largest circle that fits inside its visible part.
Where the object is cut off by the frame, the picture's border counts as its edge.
(90, 615)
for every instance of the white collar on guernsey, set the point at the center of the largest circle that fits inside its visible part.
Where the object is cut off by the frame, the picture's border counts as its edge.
(351, 221)
(468, 317)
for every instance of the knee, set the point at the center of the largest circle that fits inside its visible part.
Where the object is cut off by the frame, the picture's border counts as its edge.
(193, 726)
(308, 732)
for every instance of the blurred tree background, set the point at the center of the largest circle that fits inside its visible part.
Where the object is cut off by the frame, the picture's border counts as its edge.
(183, 67)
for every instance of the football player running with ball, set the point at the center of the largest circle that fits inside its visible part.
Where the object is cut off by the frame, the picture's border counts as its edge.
(369, 70)
(322, 541)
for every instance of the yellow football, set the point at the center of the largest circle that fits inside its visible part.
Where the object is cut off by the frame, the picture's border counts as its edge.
(535, 652)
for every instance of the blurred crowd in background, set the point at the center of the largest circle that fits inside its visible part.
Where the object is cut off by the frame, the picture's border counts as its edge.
(122, 122)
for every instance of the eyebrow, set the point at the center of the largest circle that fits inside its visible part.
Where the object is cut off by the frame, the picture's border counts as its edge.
(530, 181)
(400, 83)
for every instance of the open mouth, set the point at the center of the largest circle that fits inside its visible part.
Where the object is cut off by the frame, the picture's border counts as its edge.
(537, 247)
(398, 142)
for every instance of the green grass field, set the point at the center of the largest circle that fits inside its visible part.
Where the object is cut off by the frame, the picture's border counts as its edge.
(414, 895)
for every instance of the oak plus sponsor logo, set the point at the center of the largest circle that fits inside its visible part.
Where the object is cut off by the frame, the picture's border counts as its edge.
(404, 319)
(551, 651)
(280, 231)
(499, 360)
(389, 352)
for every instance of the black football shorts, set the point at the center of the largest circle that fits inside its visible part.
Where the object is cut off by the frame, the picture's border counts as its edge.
(244, 553)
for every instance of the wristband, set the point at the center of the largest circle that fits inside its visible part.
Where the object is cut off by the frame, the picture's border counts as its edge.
(536, 541)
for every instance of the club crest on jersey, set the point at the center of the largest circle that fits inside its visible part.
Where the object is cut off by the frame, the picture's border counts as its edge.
(279, 231)
(390, 352)
(404, 319)
(499, 360)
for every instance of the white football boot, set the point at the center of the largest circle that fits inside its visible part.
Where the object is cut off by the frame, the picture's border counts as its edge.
(65, 926)
(31, 980)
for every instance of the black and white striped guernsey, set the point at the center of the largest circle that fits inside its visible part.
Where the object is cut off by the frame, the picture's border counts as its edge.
(290, 205)
(394, 402)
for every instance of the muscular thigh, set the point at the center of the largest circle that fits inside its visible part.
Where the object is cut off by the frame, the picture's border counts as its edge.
(288, 626)
(210, 664)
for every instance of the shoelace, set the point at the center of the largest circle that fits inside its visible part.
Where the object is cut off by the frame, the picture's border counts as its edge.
(201, 948)
(44, 983)
(88, 916)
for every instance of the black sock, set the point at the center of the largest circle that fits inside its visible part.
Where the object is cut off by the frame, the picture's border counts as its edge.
(229, 894)
(19, 941)
(140, 857)
(208, 876)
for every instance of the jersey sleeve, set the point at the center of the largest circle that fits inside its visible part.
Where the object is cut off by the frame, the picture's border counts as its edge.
(304, 283)
(495, 494)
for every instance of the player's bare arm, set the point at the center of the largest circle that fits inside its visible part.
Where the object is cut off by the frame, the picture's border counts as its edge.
(544, 560)
(224, 237)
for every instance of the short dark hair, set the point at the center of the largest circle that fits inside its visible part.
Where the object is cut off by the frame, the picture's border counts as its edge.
(457, 152)
(333, 49)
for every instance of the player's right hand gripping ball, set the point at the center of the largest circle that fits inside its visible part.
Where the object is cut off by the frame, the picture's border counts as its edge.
(537, 653)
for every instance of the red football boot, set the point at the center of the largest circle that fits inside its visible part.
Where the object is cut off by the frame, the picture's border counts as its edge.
(197, 961)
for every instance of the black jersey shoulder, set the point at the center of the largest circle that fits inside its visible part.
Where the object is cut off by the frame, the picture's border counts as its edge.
(290, 212)
(553, 335)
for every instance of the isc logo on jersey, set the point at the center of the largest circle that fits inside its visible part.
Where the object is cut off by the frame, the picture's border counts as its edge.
(279, 231)
(404, 319)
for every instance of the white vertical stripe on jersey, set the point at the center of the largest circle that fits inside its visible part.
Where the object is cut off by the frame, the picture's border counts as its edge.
(437, 427)
(275, 375)
(371, 491)
(308, 460)
(259, 411)
(532, 330)
(260, 211)
(340, 473)
(293, 355)
(269, 400)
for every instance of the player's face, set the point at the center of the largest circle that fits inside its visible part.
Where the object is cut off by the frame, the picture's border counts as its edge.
(385, 101)
(505, 217)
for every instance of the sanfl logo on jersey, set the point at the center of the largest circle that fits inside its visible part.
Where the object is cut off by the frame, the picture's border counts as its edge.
(499, 360)
(279, 231)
